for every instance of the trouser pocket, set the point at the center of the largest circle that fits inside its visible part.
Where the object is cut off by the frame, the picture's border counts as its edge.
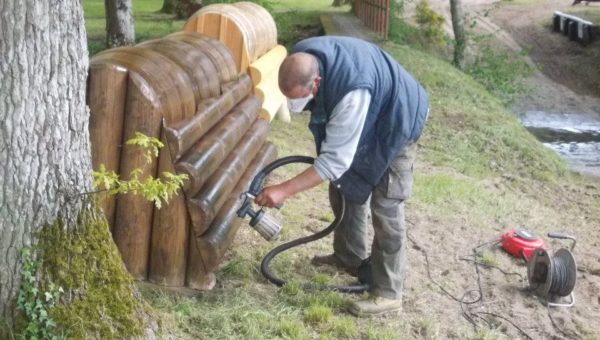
(399, 176)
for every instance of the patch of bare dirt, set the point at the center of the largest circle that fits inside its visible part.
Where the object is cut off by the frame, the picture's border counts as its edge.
(566, 80)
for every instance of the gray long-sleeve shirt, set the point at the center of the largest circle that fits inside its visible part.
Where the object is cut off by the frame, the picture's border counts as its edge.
(343, 132)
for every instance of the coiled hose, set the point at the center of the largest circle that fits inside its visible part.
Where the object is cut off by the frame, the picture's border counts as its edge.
(256, 188)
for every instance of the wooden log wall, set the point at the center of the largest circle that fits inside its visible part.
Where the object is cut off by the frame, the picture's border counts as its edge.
(249, 32)
(186, 90)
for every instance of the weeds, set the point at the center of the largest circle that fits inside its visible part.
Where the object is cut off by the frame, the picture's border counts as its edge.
(500, 72)
(318, 314)
(36, 304)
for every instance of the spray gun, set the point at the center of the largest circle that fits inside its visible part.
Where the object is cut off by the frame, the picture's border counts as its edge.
(266, 225)
(269, 228)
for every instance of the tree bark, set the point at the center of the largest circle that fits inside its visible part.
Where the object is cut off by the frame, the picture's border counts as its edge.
(182, 9)
(45, 161)
(459, 32)
(120, 29)
(45, 155)
(169, 6)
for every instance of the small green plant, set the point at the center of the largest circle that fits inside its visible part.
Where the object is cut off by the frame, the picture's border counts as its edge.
(430, 22)
(487, 258)
(290, 328)
(318, 314)
(36, 304)
(322, 279)
(153, 189)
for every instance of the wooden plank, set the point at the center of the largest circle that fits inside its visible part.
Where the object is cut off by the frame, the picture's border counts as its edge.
(197, 276)
(221, 233)
(271, 105)
(216, 51)
(268, 64)
(107, 88)
(204, 206)
(204, 157)
(202, 72)
(133, 217)
(172, 86)
(283, 113)
(170, 236)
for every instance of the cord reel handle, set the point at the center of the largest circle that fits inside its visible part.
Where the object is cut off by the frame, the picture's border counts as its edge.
(563, 237)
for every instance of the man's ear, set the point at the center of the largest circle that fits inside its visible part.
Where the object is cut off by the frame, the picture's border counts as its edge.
(317, 84)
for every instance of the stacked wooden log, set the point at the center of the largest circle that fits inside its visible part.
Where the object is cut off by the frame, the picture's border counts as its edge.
(249, 32)
(186, 90)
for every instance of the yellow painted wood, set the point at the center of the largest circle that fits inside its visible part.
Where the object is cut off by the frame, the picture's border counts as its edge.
(267, 64)
(283, 114)
(247, 29)
(271, 105)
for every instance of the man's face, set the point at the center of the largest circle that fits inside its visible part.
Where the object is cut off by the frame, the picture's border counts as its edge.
(304, 91)
(300, 96)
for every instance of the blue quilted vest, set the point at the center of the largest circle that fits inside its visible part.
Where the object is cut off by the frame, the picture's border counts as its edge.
(396, 115)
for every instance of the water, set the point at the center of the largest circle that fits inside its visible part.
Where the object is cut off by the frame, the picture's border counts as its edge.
(575, 137)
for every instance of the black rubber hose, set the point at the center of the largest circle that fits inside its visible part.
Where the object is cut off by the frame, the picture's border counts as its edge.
(255, 189)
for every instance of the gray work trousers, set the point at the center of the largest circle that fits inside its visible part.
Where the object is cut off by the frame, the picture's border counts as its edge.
(388, 251)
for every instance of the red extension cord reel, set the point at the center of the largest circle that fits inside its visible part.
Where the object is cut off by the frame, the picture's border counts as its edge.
(520, 243)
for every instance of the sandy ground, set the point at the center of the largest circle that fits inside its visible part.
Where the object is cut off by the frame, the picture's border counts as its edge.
(566, 80)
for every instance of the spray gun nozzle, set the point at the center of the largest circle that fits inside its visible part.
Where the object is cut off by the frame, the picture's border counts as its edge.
(267, 226)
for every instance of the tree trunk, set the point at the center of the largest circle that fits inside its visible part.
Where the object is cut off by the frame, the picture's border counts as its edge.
(45, 153)
(182, 9)
(169, 6)
(459, 32)
(120, 29)
(45, 161)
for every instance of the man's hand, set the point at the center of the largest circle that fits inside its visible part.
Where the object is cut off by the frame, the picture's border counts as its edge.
(272, 196)
(275, 195)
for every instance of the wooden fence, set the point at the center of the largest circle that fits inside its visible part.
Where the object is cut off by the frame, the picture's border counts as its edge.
(375, 14)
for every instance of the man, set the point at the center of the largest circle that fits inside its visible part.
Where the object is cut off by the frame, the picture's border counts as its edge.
(367, 113)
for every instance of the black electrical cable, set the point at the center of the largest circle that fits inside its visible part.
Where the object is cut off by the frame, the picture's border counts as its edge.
(560, 284)
(467, 314)
(255, 189)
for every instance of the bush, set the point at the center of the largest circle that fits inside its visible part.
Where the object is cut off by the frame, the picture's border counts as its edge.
(430, 22)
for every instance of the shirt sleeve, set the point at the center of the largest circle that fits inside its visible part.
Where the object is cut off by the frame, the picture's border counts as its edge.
(343, 132)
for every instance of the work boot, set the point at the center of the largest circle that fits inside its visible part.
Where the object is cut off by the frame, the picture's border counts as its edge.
(375, 305)
(333, 260)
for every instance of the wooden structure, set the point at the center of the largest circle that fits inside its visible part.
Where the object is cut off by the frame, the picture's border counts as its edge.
(249, 32)
(375, 14)
(186, 90)
(574, 27)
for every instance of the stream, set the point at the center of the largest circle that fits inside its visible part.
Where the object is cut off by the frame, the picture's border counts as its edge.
(574, 137)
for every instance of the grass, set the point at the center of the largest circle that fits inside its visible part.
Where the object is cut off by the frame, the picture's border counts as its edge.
(149, 23)
(586, 14)
(292, 25)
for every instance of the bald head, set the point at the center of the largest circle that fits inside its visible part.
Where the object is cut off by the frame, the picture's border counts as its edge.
(297, 70)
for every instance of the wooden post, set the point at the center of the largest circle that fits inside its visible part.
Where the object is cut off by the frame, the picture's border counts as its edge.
(133, 217)
(170, 236)
(107, 89)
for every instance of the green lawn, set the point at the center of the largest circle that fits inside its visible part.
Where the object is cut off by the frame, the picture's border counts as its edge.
(149, 23)
(295, 20)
